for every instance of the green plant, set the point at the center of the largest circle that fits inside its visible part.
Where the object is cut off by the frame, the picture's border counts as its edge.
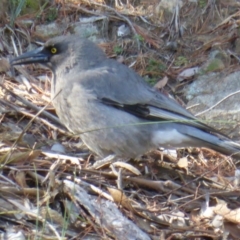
(202, 3)
(154, 69)
(117, 50)
(151, 81)
(155, 66)
(180, 61)
(16, 7)
(20, 7)
(51, 14)
(214, 65)
(139, 37)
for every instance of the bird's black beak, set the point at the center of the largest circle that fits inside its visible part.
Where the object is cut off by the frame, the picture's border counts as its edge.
(38, 55)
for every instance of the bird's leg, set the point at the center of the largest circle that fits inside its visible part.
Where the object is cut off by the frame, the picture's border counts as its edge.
(118, 175)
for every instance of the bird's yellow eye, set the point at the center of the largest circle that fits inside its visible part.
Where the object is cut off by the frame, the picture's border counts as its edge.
(53, 50)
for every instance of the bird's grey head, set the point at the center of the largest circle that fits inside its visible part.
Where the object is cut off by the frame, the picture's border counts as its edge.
(62, 53)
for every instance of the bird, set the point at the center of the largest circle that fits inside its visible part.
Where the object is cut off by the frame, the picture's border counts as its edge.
(112, 108)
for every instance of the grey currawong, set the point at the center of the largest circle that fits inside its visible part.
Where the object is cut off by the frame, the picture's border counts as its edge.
(112, 108)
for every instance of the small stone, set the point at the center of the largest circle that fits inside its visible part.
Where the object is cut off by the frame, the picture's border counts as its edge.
(57, 147)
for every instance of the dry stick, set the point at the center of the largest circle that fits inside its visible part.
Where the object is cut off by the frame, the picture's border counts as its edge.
(217, 103)
(151, 24)
(8, 154)
(40, 218)
(201, 192)
(34, 107)
(118, 14)
(36, 118)
(26, 74)
(124, 18)
(233, 54)
(228, 19)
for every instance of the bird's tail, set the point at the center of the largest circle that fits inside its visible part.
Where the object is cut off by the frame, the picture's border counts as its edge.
(213, 141)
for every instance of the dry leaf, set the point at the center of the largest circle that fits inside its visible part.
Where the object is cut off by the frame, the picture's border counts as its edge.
(20, 178)
(120, 198)
(176, 218)
(183, 163)
(4, 65)
(187, 73)
(20, 157)
(232, 228)
(160, 84)
(195, 216)
(228, 214)
(127, 166)
(51, 215)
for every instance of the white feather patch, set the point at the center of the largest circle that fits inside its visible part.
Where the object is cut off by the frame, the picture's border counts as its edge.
(170, 138)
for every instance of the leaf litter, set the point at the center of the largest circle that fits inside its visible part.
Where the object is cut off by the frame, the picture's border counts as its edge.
(189, 193)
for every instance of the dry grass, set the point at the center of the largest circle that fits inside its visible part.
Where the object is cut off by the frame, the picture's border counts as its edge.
(188, 194)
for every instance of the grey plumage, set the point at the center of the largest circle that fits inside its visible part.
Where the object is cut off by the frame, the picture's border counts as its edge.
(112, 108)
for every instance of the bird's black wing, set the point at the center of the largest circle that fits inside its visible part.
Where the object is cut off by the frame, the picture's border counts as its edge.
(153, 113)
(118, 86)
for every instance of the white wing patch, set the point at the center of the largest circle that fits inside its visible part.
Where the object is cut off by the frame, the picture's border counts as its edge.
(170, 138)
